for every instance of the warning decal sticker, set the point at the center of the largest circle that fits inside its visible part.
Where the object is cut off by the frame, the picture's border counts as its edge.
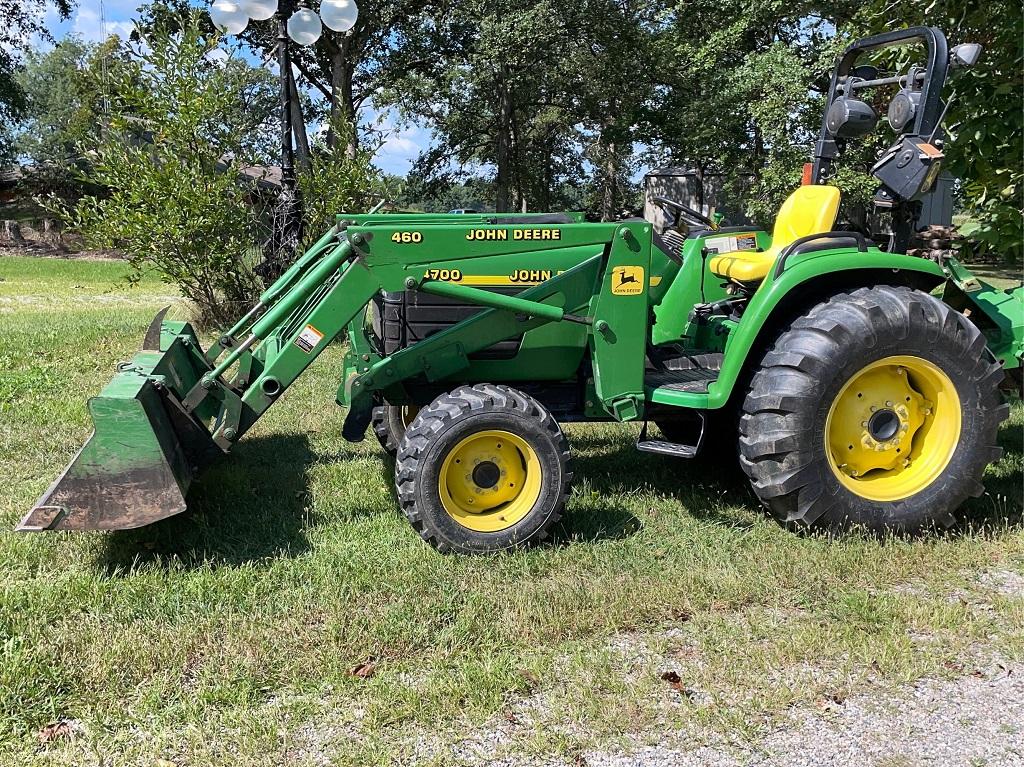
(731, 243)
(308, 339)
(627, 280)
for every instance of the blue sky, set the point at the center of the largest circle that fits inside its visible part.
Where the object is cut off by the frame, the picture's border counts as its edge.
(402, 144)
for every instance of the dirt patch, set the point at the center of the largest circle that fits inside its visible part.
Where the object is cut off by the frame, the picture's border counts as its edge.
(56, 250)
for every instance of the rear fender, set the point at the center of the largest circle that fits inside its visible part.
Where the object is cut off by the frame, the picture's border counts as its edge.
(798, 288)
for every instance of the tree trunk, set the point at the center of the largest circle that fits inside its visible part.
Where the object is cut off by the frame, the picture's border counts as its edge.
(699, 186)
(503, 149)
(12, 230)
(758, 165)
(298, 126)
(609, 179)
(343, 108)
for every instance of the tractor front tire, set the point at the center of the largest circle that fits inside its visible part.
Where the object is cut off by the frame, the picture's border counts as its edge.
(483, 469)
(389, 423)
(878, 409)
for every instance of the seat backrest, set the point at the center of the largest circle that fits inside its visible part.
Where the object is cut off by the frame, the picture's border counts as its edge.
(811, 209)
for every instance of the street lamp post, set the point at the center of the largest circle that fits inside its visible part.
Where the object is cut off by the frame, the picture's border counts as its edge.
(286, 232)
(302, 26)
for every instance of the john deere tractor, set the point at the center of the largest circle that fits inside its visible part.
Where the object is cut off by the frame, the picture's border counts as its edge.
(846, 374)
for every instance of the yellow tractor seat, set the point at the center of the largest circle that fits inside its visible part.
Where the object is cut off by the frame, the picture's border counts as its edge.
(811, 209)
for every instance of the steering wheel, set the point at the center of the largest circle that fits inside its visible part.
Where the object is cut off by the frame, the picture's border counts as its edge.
(677, 210)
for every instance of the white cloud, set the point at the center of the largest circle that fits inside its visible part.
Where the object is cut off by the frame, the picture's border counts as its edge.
(218, 56)
(87, 25)
(401, 143)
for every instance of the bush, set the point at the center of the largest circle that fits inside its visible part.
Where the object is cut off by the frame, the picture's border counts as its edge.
(170, 160)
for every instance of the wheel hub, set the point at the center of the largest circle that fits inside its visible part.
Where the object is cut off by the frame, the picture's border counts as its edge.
(486, 475)
(883, 425)
(490, 480)
(886, 435)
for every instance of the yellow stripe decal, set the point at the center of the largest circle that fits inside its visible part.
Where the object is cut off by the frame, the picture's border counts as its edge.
(504, 279)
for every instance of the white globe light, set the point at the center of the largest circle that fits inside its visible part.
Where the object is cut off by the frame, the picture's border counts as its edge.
(259, 10)
(339, 15)
(228, 17)
(304, 27)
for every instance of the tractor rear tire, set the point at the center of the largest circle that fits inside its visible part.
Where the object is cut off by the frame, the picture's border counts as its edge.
(483, 469)
(389, 423)
(878, 409)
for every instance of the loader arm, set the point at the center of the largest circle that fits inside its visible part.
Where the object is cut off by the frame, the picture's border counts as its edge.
(169, 412)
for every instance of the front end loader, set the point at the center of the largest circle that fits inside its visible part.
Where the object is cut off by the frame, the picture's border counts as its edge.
(858, 384)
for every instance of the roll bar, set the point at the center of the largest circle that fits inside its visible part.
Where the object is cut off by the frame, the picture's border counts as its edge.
(934, 78)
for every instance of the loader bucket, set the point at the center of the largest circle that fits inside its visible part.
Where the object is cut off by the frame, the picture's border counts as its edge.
(145, 449)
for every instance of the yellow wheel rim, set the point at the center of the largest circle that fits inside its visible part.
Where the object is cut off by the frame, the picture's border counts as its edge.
(490, 480)
(893, 428)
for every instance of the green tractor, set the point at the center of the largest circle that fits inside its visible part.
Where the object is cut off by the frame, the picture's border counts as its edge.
(847, 376)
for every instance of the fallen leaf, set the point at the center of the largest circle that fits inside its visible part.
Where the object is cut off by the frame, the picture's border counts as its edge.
(681, 615)
(531, 679)
(62, 729)
(676, 683)
(366, 669)
(830, 701)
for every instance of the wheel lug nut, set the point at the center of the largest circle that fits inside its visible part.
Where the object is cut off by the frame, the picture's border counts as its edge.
(888, 403)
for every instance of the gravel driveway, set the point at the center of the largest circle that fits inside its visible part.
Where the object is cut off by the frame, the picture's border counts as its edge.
(974, 721)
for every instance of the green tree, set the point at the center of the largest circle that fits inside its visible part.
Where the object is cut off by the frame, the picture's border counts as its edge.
(611, 83)
(491, 80)
(64, 104)
(743, 92)
(170, 162)
(21, 22)
(339, 181)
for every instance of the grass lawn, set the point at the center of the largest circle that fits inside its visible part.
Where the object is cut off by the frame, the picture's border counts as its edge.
(229, 635)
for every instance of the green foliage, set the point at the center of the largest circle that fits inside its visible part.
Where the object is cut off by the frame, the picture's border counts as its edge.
(744, 93)
(431, 196)
(64, 89)
(338, 181)
(543, 105)
(20, 22)
(178, 135)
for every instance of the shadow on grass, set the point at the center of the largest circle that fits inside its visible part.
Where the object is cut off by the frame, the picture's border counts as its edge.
(1002, 506)
(254, 504)
(705, 485)
(250, 505)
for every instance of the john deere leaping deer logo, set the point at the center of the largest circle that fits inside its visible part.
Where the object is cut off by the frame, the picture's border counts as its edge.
(627, 280)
